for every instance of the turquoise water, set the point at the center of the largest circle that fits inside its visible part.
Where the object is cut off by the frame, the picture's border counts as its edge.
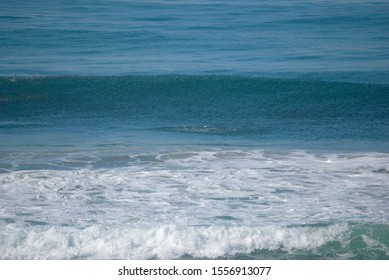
(194, 129)
(121, 37)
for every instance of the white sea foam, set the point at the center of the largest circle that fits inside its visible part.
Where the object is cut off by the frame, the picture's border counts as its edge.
(205, 187)
(205, 203)
(162, 242)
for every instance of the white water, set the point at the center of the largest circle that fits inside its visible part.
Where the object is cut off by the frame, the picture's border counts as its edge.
(163, 242)
(203, 188)
(206, 203)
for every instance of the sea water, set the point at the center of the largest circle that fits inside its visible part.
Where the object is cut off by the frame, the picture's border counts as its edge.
(194, 129)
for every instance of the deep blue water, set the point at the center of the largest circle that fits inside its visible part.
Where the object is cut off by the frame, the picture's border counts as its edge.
(194, 129)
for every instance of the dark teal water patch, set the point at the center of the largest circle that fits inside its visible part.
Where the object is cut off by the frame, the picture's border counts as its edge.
(381, 170)
(226, 218)
(9, 220)
(36, 223)
(215, 105)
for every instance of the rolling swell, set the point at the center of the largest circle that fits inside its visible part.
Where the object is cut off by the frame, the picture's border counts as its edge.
(204, 104)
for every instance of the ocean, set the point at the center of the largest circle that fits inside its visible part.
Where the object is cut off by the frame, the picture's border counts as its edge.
(194, 129)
